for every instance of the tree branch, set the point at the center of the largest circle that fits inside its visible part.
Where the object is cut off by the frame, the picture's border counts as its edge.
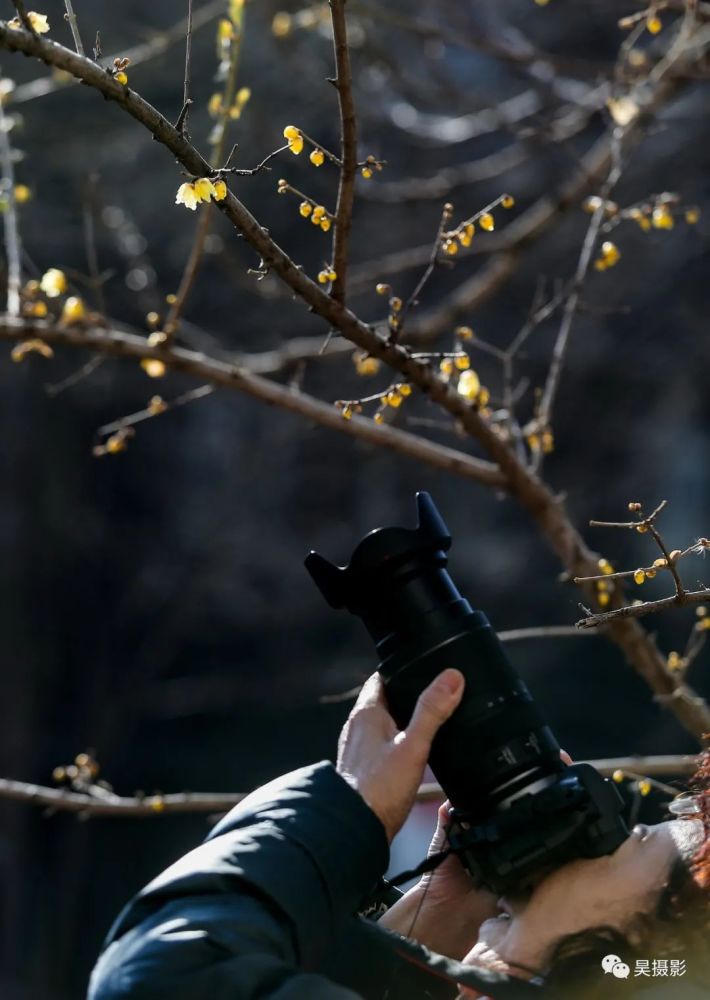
(107, 804)
(221, 373)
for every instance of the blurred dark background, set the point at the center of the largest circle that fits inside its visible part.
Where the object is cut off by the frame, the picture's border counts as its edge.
(154, 605)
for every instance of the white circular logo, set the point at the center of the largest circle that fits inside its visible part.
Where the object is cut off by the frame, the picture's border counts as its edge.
(609, 961)
(621, 970)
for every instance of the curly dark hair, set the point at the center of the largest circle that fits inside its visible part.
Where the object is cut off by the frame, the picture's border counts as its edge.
(678, 928)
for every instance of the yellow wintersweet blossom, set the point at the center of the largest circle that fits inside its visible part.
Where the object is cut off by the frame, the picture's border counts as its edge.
(121, 77)
(53, 283)
(469, 384)
(38, 21)
(29, 346)
(187, 196)
(204, 188)
(22, 194)
(219, 190)
(74, 310)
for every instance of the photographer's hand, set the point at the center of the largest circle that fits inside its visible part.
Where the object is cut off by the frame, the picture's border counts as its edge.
(444, 910)
(386, 765)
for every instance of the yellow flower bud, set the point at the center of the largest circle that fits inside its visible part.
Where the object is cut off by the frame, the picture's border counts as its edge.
(662, 218)
(73, 310)
(644, 787)
(639, 576)
(153, 367)
(618, 776)
(23, 194)
(653, 24)
(220, 190)
(487, 222)
(325, 224)
(674, 661)
(121, 77)
(382, 288)
(317, 157)
(507, 201)
(366, 173)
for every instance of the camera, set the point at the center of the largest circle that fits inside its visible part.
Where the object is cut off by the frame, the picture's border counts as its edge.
(517, 810)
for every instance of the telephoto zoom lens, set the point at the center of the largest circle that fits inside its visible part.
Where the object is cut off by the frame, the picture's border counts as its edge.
(497, 744)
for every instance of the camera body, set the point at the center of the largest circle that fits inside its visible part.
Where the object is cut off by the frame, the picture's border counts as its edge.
(517, 810)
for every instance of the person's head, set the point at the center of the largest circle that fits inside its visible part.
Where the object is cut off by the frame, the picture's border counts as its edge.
(648, 900)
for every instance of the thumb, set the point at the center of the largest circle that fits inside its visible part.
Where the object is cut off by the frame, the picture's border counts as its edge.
(434, 706)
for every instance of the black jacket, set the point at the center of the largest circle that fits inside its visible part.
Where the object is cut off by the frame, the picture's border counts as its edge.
(264, 908)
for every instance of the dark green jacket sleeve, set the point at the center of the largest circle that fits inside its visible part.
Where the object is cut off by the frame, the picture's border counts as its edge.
(255, 910)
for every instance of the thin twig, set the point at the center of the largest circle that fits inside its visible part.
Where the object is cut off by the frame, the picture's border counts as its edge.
(690, 597)
(192, 266)
(348, 150)
(572, 304)
(186, 100)
(433, 258)
(13, 246)
(73, 24)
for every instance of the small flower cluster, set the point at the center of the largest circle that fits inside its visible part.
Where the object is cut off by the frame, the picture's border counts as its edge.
(368, 168)
(604, 587)
(326, 275)
(462, 235)
(283, 23)
(83, 771)
(38, 21)
(653, 23)
(609, 255)
(217, 108)
(201, 189)
(119, 70)
(37, 298)
(394, 316)
(660, 212)
(296, 140)
(309, 209)
(643, 786)
(393, 396)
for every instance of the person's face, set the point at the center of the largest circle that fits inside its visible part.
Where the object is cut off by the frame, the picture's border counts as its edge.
(587, 893)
